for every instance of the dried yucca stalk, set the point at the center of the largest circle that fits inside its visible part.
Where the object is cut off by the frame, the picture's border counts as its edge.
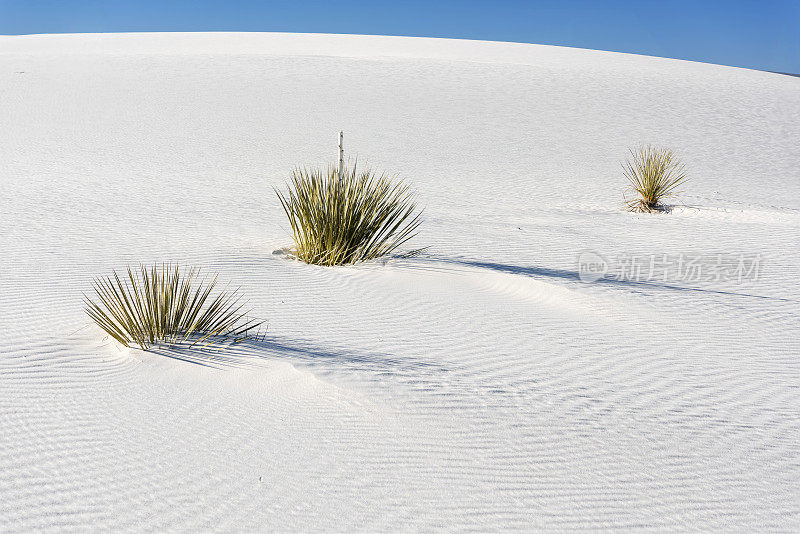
(347, 217)
(654, 174)
(166, 305)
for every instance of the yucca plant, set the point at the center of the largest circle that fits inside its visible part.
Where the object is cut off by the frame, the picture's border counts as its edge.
(654, 174)
(346, 216)
(166, 305)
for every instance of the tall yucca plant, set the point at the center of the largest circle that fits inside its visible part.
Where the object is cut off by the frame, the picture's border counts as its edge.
(341, 217)
(654, 174)
(166, 305)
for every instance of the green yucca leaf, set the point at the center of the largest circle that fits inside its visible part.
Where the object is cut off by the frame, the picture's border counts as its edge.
(653, 174)
(356, 217)
(167, 306)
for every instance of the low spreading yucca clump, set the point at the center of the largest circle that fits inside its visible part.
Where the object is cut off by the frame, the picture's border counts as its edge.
(654, 174)
(166, 305)
(348, 218)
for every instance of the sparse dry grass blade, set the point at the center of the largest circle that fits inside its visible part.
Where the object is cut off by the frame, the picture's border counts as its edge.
(166, 305)
(356, 217)
(654, 174)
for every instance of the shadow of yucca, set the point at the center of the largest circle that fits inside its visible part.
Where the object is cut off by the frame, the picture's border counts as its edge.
(443, 264)
(257, 350)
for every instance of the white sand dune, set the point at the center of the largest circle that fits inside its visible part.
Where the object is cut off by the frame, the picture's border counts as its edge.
(482, 386)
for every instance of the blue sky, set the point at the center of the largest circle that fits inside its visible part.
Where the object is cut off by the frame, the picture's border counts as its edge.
(745, 33)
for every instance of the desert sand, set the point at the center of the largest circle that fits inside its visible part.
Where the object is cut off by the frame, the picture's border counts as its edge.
(481, 386)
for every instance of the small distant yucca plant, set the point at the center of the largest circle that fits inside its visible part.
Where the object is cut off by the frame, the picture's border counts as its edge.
(653, 173)
(166, 305)
(342, 217)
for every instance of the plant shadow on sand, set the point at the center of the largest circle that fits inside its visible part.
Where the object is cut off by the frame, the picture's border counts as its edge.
(452, 265)
(253, 352)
